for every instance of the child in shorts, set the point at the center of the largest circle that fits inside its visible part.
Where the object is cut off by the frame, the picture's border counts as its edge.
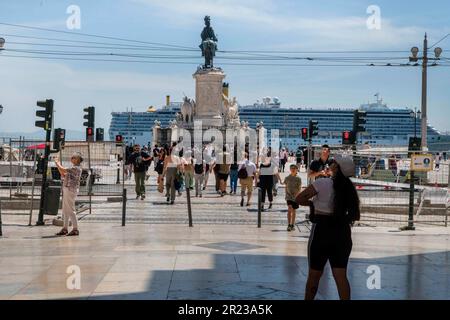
(293, 185)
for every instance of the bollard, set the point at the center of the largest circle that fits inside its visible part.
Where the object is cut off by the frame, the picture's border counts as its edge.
(124, 206)
(188, 197)
(1, 232)
(411, 202)
(410, 225)
(32, 187)
(259, 207)
(448, 197)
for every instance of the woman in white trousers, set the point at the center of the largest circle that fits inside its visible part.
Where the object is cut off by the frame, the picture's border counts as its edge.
(71, 182)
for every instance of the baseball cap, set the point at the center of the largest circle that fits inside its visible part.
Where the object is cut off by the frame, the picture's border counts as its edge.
(346, 164)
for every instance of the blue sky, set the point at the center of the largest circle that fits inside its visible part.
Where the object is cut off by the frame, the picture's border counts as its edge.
(241, 25)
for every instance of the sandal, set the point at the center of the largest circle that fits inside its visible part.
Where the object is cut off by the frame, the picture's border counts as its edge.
(63, 232)
(73, 233)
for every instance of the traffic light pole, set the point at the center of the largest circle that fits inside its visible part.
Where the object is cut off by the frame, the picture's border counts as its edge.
(309, 159)
(424, 94)
(411, 202)
(412, 187)
(44, 184)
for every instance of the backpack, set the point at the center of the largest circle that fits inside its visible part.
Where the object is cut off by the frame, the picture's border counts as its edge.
(242, 173)
(178, 181)
(159, 167)
(198, 168)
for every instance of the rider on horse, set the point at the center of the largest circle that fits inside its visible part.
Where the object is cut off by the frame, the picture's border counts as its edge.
(208, 38)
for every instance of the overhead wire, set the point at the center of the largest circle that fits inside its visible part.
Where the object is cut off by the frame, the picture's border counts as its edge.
(93, 35)
(194, 63)
(443, 38)
(352, 57)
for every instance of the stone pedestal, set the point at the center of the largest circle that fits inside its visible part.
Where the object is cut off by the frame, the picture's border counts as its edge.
(208, 97)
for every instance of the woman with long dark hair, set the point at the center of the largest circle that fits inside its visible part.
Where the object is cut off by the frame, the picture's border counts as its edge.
(334, 208)
(159, 168)
(265, 178)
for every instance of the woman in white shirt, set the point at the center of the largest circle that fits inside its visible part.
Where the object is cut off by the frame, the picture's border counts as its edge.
(335, 207)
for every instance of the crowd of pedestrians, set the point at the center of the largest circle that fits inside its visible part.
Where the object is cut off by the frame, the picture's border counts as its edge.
(331, 197)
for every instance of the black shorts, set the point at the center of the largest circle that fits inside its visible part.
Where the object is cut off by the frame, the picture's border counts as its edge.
(293, 204)
(223, 176)
(329, 242)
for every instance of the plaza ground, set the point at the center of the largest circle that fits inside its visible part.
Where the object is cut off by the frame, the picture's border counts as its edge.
(212, 261)
(223, 256)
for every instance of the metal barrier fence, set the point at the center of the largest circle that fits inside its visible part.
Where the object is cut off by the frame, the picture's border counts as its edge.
(383, 180)
(103, 173)
(21, 177)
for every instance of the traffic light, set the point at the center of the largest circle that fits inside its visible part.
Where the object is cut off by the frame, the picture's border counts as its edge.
(90, 117)
(119, 138)
(305, 134)
(46, 123)
(40, 165)
(348, 138)
(415, 144)
(47, 115)
(89, 134)
(89, 123)
(359, 121)
(313, 128)
(99, 134)
(59, 139)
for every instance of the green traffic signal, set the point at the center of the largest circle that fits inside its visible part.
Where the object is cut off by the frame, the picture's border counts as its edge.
(89, 117)
(47, 115)
(313, 128)
(359, 121)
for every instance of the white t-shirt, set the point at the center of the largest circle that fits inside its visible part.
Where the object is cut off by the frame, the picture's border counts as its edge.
(324, 200)
(175, 161)
(249, 166)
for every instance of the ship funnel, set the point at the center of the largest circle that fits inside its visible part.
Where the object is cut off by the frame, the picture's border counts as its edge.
(167, 100)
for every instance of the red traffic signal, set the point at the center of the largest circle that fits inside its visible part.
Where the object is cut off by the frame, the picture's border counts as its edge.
(119, 138)
(90, 134)
(305, 133)
(347, 137)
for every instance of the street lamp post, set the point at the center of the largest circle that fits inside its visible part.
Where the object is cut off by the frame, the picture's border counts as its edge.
(425, 59)
(412, 178)
(2, 44)
(417, 114)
